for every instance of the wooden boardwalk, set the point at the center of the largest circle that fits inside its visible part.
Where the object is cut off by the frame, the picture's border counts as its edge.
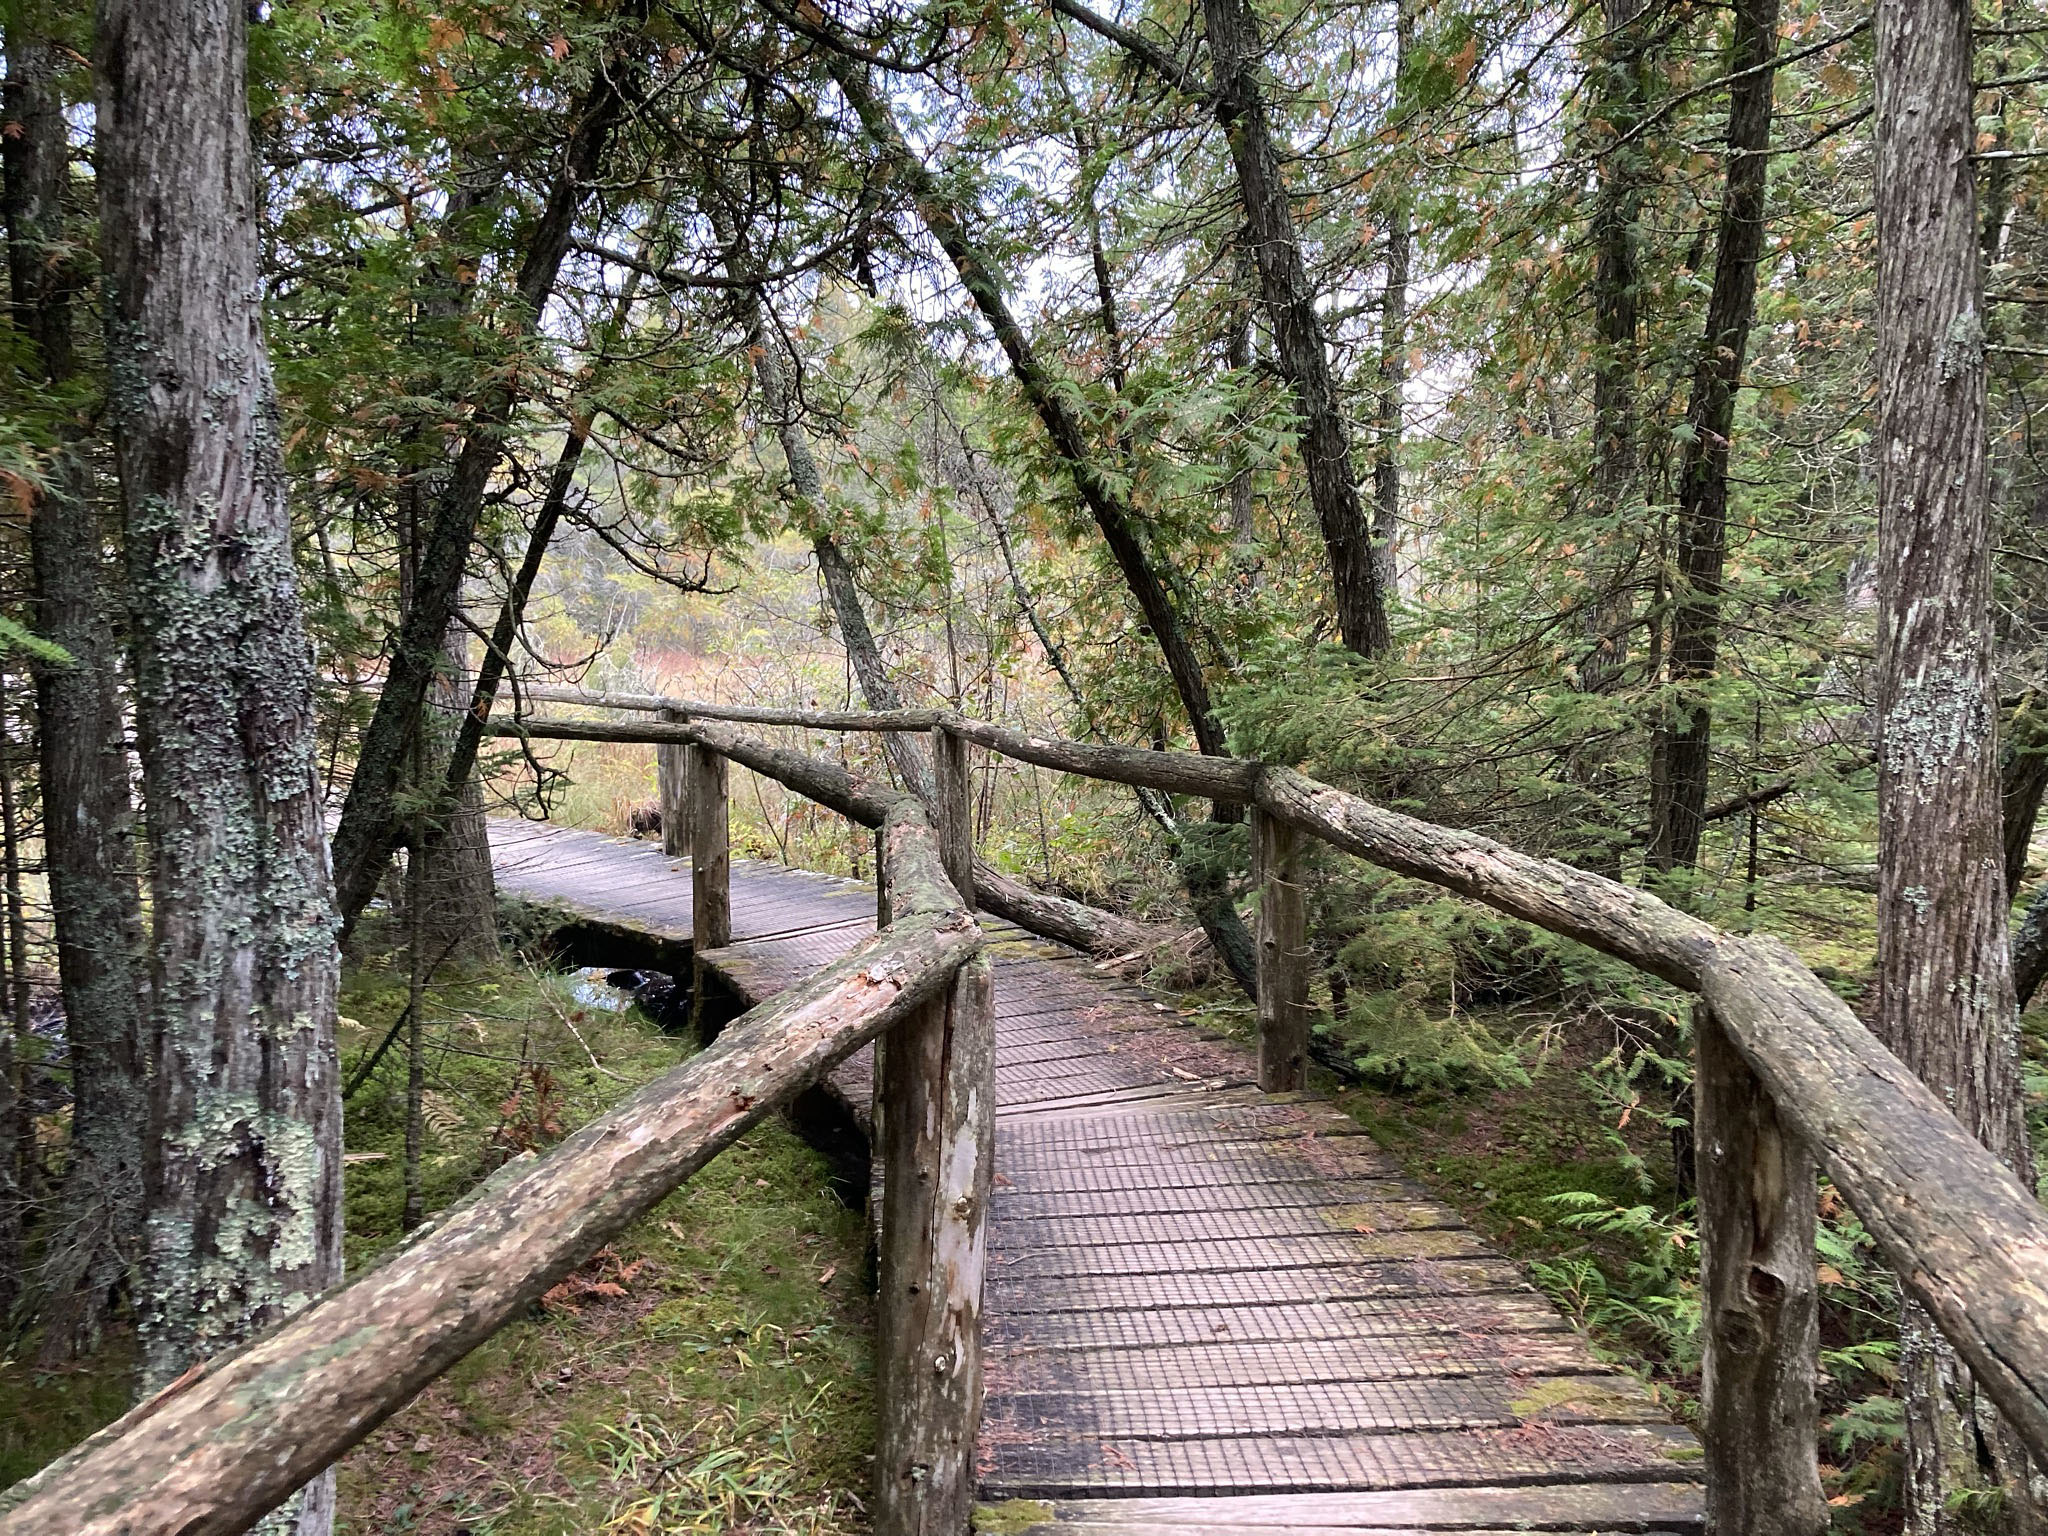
(1209, 1310)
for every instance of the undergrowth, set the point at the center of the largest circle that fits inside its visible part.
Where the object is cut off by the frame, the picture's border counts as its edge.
(709, 1371)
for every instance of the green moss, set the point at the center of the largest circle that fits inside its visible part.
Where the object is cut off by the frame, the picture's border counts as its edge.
(1012, 1517)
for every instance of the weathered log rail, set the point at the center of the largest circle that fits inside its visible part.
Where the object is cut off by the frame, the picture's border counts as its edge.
(1790, 1077)
(235, 1436)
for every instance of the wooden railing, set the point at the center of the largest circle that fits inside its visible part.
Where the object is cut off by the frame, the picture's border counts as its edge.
(1787, 1077)
(236, 1436)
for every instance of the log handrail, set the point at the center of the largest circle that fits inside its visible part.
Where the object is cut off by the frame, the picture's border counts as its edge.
(238, 1434)
(1966, 1238)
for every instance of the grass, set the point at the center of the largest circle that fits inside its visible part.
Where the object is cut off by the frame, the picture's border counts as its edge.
(709, 1371)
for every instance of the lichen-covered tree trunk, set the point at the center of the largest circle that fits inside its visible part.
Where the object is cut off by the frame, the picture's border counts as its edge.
(1300, 351)
(244, 1180)
(88, 816)
(1680, 751)
(1944, 987)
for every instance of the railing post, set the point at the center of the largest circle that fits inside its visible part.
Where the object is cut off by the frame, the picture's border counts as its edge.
(1283, 954)
(938, 1080)
(710, 853)
(955, 806)
(672, 782)
(935, 1125)
(1758, 1209)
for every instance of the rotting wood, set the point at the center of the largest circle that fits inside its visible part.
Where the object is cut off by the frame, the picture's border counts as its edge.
(1283, 954)
(1966, 1238)
(1758, 1210)
(937, 1133)
(207, 1456)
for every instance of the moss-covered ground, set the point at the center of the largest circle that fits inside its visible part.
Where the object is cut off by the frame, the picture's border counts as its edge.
(710, 1371)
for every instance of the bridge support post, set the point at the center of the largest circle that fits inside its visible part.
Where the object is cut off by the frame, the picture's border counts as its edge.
(935, 1128)
(710, 852)
(1282, 954)
(938, 1083)
(671, 780)
(1758, 1209)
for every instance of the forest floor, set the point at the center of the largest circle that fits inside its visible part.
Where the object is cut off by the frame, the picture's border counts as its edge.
(710, 1371)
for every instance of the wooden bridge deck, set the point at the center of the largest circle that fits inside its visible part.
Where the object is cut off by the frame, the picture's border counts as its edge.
(1208, 1309)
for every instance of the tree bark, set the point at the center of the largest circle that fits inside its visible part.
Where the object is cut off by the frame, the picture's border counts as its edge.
(1944, 984)
(1621, 63)
(1386, 451)
(2022, 779)
(459, 915)
(1300, 350)
(935, 1083)
(244, 1180)
(88, 815)
(369, 826)
(1681, 747)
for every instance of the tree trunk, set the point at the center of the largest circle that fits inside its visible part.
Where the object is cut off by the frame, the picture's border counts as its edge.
(1944, 986)
(1386, 451)
(1118, 521)
(244, 1179)
(94, 1238)
(2022, 779)
(88, 816)
(369, 823)
(1299, 348)
(807, 487)
(458, 918)
(1682, 744)
(18, 1143)
(1622, 66)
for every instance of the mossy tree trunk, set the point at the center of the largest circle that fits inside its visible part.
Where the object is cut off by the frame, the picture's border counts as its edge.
(244, 1178)
(88, 813)
(1944, 985)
